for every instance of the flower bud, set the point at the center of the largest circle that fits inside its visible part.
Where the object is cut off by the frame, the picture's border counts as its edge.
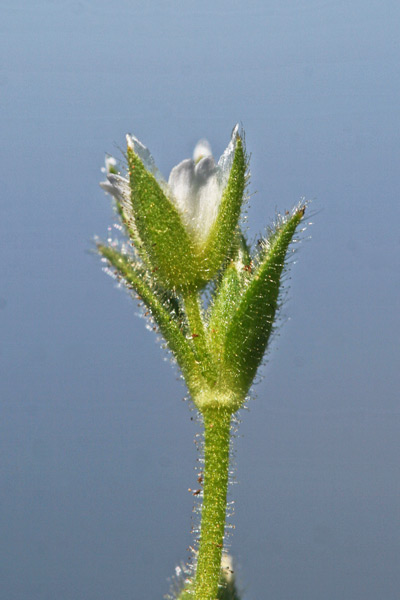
(184, 229)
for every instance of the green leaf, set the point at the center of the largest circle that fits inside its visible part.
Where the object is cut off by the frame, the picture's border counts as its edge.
(164, 308)
(167, 244)
(251, 324)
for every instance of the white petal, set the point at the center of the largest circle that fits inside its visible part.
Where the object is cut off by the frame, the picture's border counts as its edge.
(226, 160)
(204, 169)
(208, 201)
(202, 149)
(182, 185)
(196, 192)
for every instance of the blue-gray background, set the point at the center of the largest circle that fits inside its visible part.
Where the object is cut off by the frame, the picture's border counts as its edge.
(96, 444)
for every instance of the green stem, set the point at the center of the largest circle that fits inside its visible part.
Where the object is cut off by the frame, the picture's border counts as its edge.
(217, 425)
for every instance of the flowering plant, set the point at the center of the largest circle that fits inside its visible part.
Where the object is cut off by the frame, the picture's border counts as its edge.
(185, 238)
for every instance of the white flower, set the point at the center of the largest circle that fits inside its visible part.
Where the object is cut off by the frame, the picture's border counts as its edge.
(195, 185)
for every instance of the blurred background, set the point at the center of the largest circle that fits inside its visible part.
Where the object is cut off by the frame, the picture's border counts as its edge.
(96, 442)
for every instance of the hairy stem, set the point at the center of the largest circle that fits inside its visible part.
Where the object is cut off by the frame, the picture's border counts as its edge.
(217, 424)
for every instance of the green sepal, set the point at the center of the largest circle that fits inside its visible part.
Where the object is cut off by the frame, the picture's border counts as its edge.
(226, 298)
(219, 240)
(167, 244)
(251, 324)
(164, 308)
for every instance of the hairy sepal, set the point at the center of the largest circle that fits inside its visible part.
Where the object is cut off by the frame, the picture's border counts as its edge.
(251, 321)
(219, 241)
(168, 246)
(226, 297)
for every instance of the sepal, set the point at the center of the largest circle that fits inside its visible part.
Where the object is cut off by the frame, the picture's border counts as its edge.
(219, 240)
(167, 245)
(253, 317)
(226, 297)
